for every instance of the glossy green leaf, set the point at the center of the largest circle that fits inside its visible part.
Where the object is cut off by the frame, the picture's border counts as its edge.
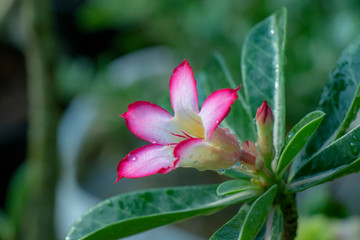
(340, 100)
(298, 136)
(257, 215)
(235, 173)
(338, 159)
(271, 230)
(276, 221)
(263, 70)
(273, 227)
(135, 212)
(216, 75)
(234, 186)
(231, 229)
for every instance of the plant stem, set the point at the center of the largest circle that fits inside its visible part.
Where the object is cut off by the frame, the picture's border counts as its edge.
(288, 207)
(42, 163)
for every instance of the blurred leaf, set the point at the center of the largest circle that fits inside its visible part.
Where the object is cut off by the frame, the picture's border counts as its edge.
(262, 69)
(4, 8)
(216, 75)
(6, 228)
(257, 215)
(131, 213)
(320, 228)
(340, 158)
(104, 14)
(319, 200)
(340, 100)
(17, 194)
(231, 229)
(74, 76)
(298, 137)
(234, 186)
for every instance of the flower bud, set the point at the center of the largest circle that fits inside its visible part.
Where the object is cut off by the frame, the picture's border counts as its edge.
(265, 124)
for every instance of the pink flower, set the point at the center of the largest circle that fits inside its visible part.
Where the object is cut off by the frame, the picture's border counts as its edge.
(190, 138)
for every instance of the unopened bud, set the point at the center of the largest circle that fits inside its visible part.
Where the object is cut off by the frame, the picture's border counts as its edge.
(265, 125)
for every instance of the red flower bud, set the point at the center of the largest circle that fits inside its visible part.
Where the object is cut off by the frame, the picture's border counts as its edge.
(264, 115)
(265, 124)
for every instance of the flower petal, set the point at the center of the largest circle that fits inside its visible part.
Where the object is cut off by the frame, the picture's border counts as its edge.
(200, 154)
(215, 108)
(183, 93)
(151, 123)
(147, 160)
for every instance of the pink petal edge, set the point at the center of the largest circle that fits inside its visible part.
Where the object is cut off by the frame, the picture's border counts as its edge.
(216, 107)
(146, 161)
(151, 123)
(183, 147)
(183, 91)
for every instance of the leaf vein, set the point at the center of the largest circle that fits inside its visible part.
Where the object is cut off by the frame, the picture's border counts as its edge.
(257, 46)
(259, 70)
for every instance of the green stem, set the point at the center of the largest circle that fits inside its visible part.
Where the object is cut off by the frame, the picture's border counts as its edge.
(40, 54)
(288, 207)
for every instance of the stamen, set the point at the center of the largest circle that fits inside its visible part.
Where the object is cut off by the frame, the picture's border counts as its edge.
(186, 134)
(178, 135)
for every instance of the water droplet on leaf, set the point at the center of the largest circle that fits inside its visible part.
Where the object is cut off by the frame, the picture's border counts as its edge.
(221, 171)
(354, 149)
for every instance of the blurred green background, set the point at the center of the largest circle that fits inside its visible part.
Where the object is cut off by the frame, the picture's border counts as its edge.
(110, 53)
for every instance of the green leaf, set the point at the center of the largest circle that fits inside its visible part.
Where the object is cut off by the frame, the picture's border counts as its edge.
(231, 229)
(276, 223)
(340, 100)
(7, 229)
(298, 136)
(131, 213)
(234, 186)
(235, 173)
(273, 227)
(216, 75)
(338, 159)
(263, 70)
(17, 194)
(5, 6)
(257, 215)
